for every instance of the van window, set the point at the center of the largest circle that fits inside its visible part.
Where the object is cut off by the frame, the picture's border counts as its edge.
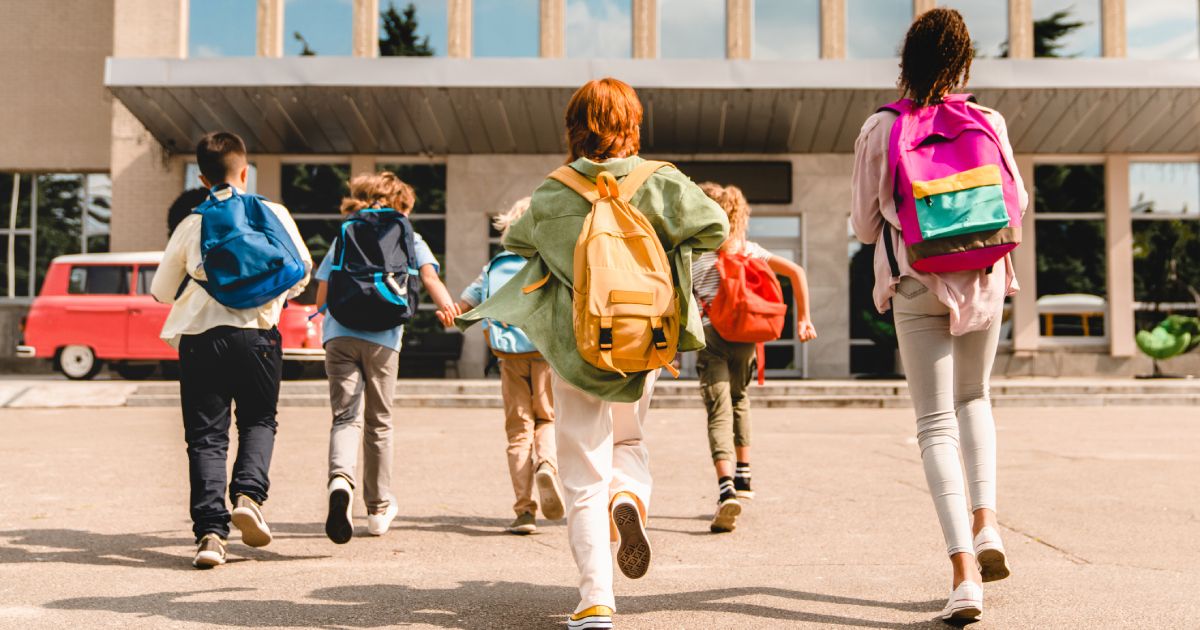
(100, 280)
(145, 279)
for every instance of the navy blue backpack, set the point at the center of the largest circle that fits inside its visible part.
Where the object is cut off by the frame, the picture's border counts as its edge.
(374, 284)
(249, 257)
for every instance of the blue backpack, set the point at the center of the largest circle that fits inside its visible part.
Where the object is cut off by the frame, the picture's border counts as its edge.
(374, 284)
(249, 257)
(503, 338)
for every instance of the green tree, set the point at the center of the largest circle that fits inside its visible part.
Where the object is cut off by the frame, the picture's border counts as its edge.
(305, 50)
(399, 37)
(1050, 30)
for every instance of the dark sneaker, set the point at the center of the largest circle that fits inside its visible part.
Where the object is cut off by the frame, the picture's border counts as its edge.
(247, 517)
(725, 520)
(210, 552)
(338, 525)
(524, 524)
(741, 482)
(633, 553)
(548, 492)
(594, 618)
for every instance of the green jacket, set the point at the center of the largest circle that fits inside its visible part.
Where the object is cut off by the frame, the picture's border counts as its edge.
(687, 222)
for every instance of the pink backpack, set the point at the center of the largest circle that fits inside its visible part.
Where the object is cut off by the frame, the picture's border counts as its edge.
(955, 191)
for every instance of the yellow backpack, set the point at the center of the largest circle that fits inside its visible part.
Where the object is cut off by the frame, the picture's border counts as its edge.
(626, 312)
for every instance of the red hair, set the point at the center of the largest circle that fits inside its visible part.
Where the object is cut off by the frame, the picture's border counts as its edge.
(604, 121)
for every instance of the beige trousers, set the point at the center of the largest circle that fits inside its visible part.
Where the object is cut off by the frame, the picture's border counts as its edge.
(362, 383)
(529, 424)
(600, 453)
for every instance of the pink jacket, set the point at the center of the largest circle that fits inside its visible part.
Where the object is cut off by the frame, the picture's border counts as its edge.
(974, 298)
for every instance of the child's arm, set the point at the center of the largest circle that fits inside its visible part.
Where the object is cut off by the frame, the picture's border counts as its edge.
(447, 309)
(173, 268)
(322, 293)
(805, 331)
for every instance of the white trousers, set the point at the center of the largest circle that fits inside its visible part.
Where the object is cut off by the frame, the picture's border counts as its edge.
(600, 453)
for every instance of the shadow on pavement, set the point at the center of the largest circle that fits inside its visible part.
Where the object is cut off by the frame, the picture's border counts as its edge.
(470, 605)
(148, 550)
(473, 526)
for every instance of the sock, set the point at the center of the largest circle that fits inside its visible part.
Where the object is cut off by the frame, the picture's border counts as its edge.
(725, 484)
(741, 479)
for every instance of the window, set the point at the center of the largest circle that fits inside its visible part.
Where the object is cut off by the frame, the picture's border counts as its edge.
(600, 29)
(191, 177)
(691, 29)
(313, 193)
(431, 28)
(318, 27)
(761, 182)
(1071, 249)
(1066, 28)
(145, 279)
(988, 22)
(99, 280)
(1163, 29)
(1165, 203)
(222, 28)
(506, 28)
(787, 29)
(875, 28)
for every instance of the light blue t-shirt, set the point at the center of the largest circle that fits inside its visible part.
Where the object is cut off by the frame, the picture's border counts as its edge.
(391, 338)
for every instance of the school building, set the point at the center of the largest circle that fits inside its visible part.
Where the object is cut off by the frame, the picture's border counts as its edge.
(105, 98)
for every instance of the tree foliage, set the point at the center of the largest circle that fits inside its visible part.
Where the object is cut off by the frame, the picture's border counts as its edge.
(399, 34)
(1049, 31)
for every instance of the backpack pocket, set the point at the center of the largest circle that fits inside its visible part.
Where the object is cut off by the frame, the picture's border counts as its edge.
(963, 203)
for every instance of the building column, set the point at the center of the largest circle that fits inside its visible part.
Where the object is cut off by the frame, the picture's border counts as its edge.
(1112, 20)
(553, 24)
(1025, 329)
(739, 28)
(645, 29)
(361, 164)
(269, 171)
(833, 29)
(458, 18)
(921, 6)
(366, 28)
(270, 28)
(1020, 29)
(1118, 229)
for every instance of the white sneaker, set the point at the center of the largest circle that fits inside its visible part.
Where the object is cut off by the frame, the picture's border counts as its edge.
(378, 524)
(548, 492)
(339, 526)
(966, 603)
(989, 554)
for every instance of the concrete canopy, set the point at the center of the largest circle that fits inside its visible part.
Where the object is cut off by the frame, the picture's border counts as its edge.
(439, 106)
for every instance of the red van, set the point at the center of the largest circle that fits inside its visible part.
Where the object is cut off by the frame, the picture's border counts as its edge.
(97, 308)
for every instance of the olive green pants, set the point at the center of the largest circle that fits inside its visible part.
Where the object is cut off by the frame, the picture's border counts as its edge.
(724, 378)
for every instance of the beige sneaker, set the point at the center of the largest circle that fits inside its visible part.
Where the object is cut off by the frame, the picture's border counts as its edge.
(247, 517)
(210, 552)
(990, 556)
(379, 524)
(965, 603)
(548, 492)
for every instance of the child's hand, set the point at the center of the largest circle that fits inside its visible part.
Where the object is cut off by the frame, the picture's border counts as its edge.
(446, 318)
(805, 331)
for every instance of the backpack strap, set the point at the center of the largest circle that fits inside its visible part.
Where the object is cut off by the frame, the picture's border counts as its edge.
(638, 177)
(575, 180)
(891, 252)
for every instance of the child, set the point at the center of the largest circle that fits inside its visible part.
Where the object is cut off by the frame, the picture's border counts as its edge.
(947, 324)
(528, 402)
(225, 355)
(599, 414)
(724, 366)
(362, 365)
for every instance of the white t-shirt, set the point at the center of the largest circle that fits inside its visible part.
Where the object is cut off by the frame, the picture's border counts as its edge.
(706, 279)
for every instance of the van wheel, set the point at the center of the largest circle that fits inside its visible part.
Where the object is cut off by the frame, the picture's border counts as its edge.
(78, 363)
(134, 371)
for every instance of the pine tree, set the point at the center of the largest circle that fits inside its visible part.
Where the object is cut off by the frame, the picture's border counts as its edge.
(399, 36)
(1049, 30)
(305, 51)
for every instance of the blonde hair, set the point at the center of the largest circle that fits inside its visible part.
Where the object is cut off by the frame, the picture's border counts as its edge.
(504, 220)
(379, 190)
(734, 203)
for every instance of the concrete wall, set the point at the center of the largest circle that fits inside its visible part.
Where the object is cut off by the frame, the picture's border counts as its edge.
(821, 190)
(55, 108)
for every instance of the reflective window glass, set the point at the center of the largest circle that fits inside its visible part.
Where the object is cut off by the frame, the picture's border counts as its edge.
(398, 38)
(988, 22)
(787, 29)
(691, 29)
(1163, 29)
(318, 27)
(1164, 188)
(505, 28)
(1071, 249)
(222, 28)
(875, 28)
(1066, 28)
(600, 29)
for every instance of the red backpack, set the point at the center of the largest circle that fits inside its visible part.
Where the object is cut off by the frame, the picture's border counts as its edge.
(749, 306)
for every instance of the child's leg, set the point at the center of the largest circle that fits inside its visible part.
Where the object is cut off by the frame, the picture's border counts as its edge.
(631, 459)
(740, 374)
(345, 396)
(203, 392)
(544, 445)
(256, 364)
(518, 426)
(380, 367)
(585, 448)
(715, 389)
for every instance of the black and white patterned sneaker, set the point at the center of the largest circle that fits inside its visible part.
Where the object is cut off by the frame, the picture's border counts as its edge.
(741, 481)
(633, 553)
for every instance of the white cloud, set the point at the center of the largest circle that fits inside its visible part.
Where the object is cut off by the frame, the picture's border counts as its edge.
(599, 29)
(205, 51)
(691, 28)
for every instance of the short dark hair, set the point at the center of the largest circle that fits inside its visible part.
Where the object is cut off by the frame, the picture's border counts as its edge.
(220, 155)
(183, 206)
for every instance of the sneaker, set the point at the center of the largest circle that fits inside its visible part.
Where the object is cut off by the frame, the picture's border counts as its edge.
(594, 618)
(378, 524)
(339, 526)
(989, 554)
(741, 481)
(633, 554)
(210, 552)
(966, 603)
(548, 492)
(247, 517)
(725, 520)
(524, 524)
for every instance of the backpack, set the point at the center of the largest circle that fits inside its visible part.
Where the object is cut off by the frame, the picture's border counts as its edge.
(749, 306)
(625, 309)
(956, 194)
(373, 283)
(505, 340)
(249, 257)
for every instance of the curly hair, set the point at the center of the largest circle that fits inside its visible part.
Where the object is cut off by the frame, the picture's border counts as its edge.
(734, 203)
(505, 219)
(379, 190)
(937, 56)
(604, 121)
